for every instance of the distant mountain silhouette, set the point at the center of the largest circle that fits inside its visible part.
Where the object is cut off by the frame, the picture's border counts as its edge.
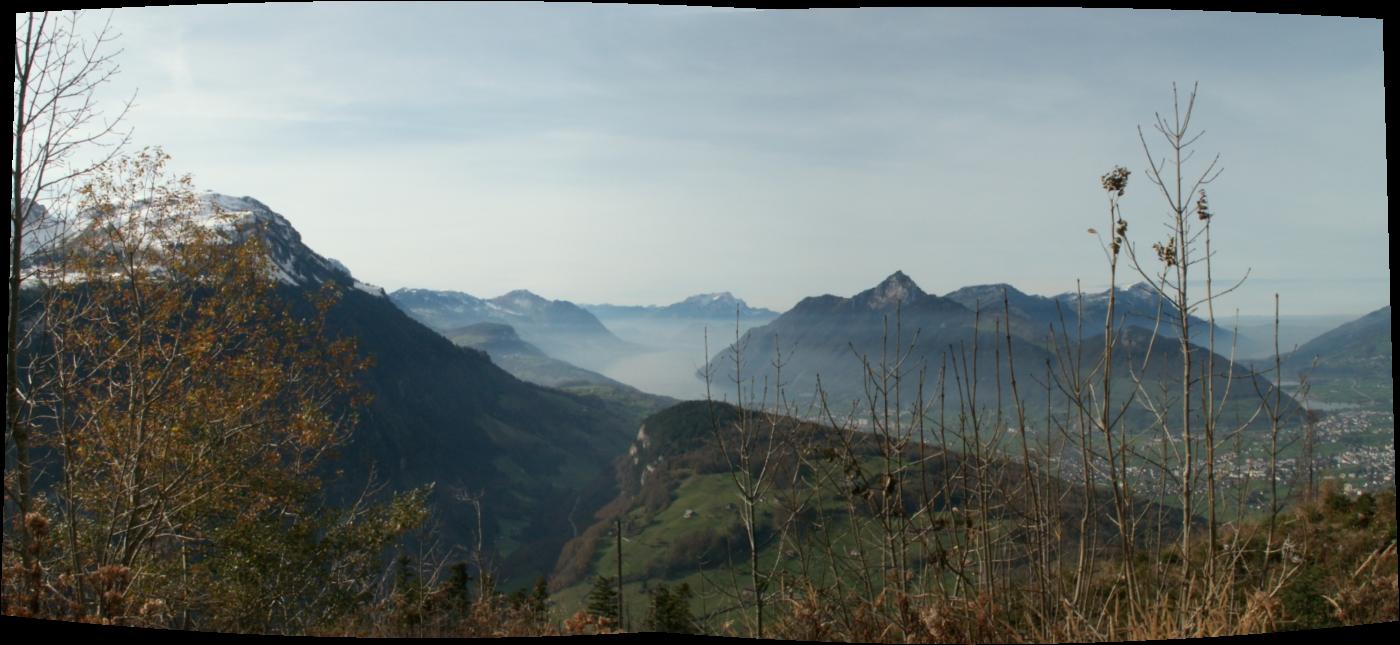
(705, 306)
(850, 344)
(1359, 348)
(560, 328)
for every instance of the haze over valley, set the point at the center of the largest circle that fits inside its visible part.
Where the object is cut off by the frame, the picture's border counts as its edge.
(853, 325)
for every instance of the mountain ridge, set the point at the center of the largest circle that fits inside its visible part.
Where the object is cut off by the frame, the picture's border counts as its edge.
(559, 327)
(716, 305)
(437, 413)
(1351, 363)
(844, 343)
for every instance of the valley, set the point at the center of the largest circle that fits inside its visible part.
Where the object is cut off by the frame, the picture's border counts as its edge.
(898, 325)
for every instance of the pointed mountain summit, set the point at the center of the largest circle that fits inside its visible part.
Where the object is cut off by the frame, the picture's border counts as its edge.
(821, 333)
(896, 292)
(898, 289)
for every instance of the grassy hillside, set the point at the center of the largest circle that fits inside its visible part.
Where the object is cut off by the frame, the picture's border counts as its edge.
(826, 516)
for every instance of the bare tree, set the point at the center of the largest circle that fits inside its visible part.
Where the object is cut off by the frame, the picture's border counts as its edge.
(1189, 245)
(59, 67)
(1176, 257)
(755, 446)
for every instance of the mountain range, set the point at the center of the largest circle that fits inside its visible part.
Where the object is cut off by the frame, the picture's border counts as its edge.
(480, 398)
(706, 306)
(562, 329)
(446, 415)
(1135, 306)
(848, 344)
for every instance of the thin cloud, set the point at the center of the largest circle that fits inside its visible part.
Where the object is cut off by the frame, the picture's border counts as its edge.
(622, 153)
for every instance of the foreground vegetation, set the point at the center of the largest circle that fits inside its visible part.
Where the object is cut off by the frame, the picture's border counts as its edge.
(172, 428)
(1335, 565)
(1138, 510)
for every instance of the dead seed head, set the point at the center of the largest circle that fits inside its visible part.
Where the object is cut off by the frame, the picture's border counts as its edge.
(1116, 180)
(1166, 252)
(1202, 208)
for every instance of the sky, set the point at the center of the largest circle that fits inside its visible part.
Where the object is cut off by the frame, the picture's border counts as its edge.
(641, 154)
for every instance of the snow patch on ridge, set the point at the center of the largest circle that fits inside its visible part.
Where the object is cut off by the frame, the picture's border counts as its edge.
(373, 290)
(294, 263)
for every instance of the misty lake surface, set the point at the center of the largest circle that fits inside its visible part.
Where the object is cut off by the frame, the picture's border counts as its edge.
(1324, 406)
(670, 372)
(677, 354)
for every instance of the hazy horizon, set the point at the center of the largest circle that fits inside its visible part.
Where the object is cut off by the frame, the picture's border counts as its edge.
(637, 155)
(1254, 318)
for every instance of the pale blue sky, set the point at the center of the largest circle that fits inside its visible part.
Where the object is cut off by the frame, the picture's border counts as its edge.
(638, 154)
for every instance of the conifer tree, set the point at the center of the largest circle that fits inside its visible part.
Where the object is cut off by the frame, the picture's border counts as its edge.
(538, 602)
(670, 610)
(602, 600)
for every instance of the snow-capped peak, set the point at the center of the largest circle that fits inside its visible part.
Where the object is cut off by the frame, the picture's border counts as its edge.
(234, 218)
(722, 297)
(230, 204)
(294, 263)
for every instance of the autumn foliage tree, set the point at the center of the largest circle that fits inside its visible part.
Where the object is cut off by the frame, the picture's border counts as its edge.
(180, 409)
